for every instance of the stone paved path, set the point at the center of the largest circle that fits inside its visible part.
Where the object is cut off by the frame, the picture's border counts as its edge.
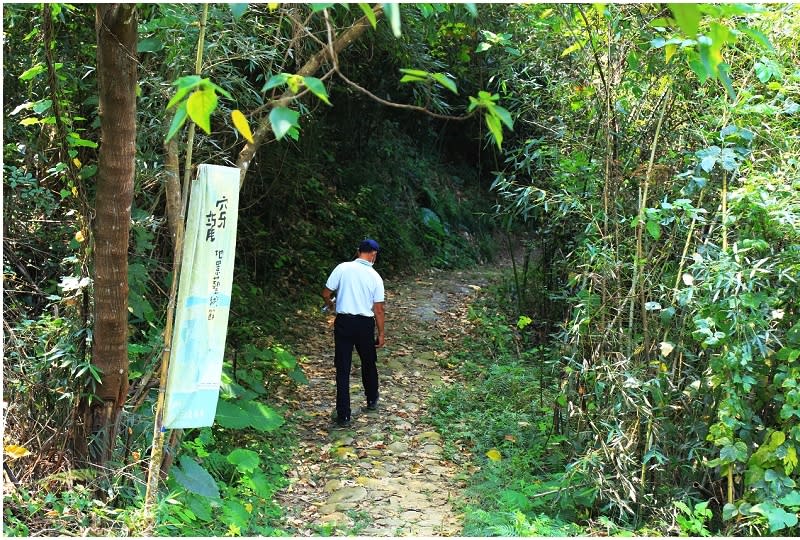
(385, 475)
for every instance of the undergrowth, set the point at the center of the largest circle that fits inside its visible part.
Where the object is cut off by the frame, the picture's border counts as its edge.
(501, 414)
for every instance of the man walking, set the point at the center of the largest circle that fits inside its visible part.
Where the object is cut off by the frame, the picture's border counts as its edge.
(358, 289)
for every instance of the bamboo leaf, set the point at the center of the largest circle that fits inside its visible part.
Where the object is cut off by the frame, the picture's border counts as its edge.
(392, 11)
(369, 14)
(445, 81)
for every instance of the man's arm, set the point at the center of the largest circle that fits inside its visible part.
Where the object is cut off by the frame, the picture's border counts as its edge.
(377, 308)
(327, 295)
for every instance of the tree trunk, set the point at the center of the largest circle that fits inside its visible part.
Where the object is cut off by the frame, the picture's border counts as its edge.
(116, 27)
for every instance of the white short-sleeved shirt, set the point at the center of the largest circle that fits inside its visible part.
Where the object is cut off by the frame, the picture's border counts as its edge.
(358, 286)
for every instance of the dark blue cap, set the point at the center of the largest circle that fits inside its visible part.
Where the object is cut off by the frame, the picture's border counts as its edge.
(368, 245)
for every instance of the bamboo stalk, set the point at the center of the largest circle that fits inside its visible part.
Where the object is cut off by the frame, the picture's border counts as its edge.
(638, 262)
(157, 450)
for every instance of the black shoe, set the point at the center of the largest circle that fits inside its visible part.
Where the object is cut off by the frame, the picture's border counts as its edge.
(372, 404)
(341, 422)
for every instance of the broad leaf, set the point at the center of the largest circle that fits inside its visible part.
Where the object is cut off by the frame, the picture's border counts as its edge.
(275, 80)
(262, 417)
(317, 88)
(30, 73)
(687, 16)
(654, 229)
(200, 105)
(283, 120)
(185, 85)
(503, 115)
(245, 460)
(152, 44)
(195, 478)
(242, 125)
(496, 130)
(317, 7)
(237, 10)
(231, 416)
(177, 121)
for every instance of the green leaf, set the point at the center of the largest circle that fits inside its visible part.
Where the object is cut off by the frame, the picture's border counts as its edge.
(234, 513)
(230, 415)
(200, 105)
(30, 73)
(757, 36)
(42, 106)
(237, 10)
(778, 517)
(392, 11)
(317, 7)
(496, 130)
(283, 120)
(503, 115)
(149, 45)
(472, 8)
(654, 229)
(725, 79)
(195, 478)
(483, 46)
(276, 80)
(792, 499)
(188, 81)
(412, 78)
(262, 417)
(185, 85)
(369, 14)
(415, 72)
(29, 121)
(445, 81)
(177, 121)
(317, 88)
(246, 461)
(687, 16)
(73, 139)
(260, 484)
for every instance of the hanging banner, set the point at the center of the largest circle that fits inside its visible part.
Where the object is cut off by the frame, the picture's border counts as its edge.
(204, 299)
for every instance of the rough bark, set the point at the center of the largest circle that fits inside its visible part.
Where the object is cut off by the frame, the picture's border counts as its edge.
(116, 27)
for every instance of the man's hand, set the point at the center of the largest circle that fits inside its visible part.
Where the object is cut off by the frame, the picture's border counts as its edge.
(380, 342)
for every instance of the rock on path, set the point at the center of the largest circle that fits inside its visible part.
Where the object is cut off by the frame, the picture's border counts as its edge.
(385, 475)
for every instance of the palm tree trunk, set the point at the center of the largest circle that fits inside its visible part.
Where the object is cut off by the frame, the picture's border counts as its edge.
(116, 26)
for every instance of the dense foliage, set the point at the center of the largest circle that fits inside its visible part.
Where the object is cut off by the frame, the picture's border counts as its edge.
(638, 372)
(654, 172)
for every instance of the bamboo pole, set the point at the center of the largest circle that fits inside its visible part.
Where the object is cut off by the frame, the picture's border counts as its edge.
(157, 449)
(638, 262)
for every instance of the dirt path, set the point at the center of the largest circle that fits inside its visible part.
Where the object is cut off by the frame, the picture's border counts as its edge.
(385, 474)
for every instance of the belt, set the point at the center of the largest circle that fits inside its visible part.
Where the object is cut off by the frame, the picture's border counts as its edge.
(350, 315)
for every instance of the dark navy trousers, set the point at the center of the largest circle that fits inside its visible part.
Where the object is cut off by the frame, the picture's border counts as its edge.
(354, 331)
